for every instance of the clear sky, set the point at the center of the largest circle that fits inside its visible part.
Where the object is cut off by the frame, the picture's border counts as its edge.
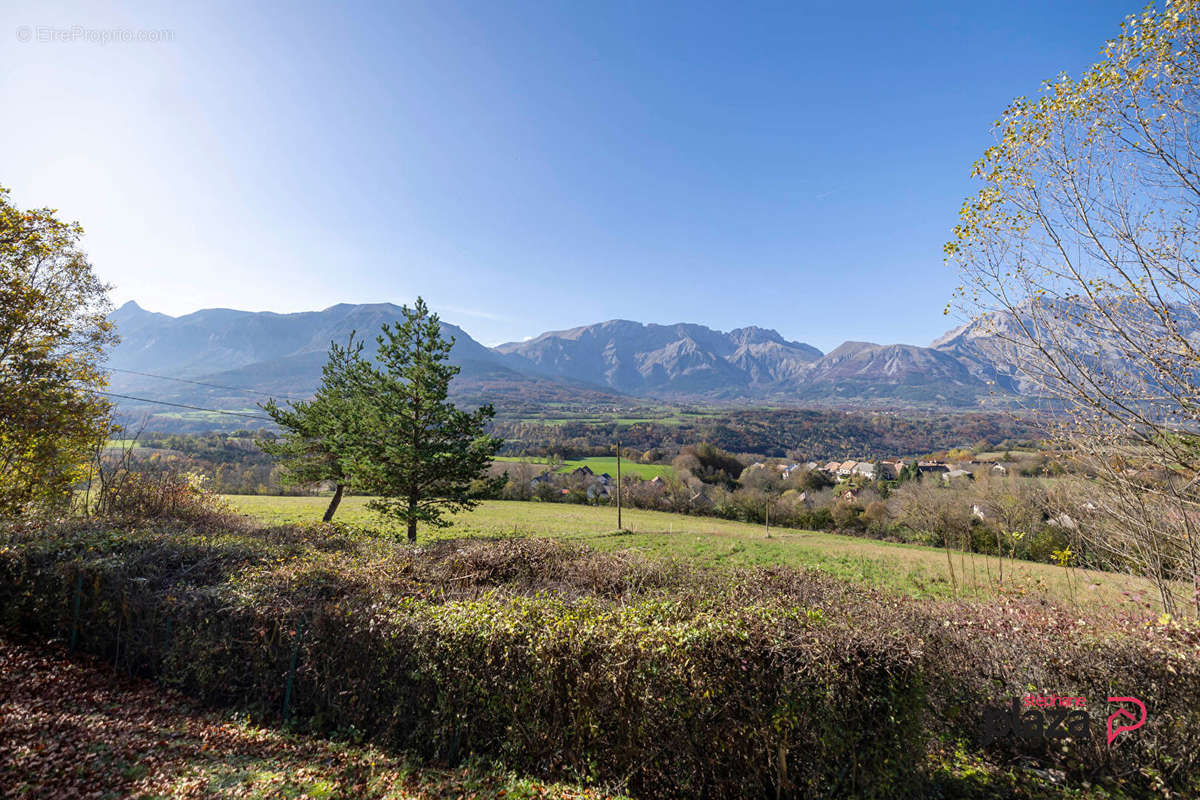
(528, 166)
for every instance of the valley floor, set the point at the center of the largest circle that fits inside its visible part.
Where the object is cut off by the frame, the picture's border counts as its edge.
(711, 542)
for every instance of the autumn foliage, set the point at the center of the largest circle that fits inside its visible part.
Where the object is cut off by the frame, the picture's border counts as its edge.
(643, 676)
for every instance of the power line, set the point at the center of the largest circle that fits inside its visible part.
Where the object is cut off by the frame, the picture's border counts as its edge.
(184, 405)
(254, 392)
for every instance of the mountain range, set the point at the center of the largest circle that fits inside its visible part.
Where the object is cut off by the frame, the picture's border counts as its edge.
(230, 360)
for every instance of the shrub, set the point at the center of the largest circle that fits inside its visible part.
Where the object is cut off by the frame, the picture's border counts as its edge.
(613, 668)
(136, 495)
(627, 671)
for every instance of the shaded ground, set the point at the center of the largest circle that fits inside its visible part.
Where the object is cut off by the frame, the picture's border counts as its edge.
(72, 728)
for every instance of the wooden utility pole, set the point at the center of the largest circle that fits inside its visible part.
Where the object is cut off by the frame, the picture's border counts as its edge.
(768, 515)
(619, 486)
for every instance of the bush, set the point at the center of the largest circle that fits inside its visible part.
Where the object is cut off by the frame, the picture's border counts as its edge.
(462, 649)
(140, 495)
(609, 668)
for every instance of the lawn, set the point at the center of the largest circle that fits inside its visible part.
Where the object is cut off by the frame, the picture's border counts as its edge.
(709, 542)
(602, 464)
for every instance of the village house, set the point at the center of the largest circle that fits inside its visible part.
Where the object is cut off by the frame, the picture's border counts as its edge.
(865, 469)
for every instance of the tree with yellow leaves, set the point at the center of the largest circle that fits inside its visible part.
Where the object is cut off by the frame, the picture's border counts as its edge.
(53, 336)
(1080, 258)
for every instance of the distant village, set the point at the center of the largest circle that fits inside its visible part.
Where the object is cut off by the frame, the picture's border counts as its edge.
(602, 486)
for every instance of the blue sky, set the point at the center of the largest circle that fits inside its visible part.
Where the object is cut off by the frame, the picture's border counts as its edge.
(528, 166)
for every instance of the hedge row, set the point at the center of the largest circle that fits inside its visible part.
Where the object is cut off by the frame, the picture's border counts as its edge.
(644, 676)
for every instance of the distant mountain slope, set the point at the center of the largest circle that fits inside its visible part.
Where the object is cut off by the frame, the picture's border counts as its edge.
(232, 360)
(988, 346)
(242, 357)
(981, 347)
(749, 364)
(899, 371)
(226, 339)
(682, 360)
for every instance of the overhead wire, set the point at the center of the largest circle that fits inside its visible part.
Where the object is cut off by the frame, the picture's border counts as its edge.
(254, 392)
(185, 405)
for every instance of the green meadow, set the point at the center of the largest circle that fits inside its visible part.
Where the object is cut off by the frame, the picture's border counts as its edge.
(716, 543)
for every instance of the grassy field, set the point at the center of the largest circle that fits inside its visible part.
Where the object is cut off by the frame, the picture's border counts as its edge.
(910, 569)
(602, 464)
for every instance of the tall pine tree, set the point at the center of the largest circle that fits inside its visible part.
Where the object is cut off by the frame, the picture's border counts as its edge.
(423, 452)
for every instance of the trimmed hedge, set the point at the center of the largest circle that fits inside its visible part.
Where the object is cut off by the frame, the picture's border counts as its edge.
(641, 675)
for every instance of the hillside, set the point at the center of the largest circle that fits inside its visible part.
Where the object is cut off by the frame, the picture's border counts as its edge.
(231, 360)
(681, 360)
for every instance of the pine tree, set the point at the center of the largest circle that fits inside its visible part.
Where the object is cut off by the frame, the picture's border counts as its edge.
(321, 436)
(423, 453)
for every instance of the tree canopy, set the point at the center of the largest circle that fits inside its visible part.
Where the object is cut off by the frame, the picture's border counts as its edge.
(384, 426)
(53, 335)
(424, 452)
(321, 436)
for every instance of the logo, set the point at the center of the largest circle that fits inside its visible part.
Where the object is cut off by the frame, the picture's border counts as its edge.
(1054, 717)
(1137, 721)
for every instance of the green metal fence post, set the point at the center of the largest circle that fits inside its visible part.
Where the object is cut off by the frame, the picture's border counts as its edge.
(287, 694)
